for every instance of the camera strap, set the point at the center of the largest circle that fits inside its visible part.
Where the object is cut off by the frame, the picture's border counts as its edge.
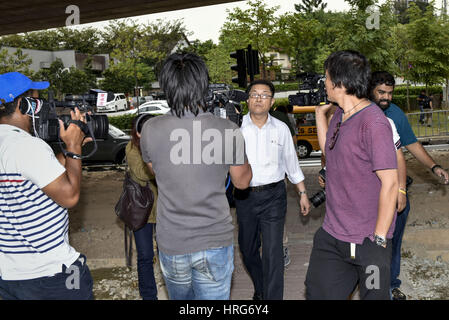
(83, 126)
(88, 131)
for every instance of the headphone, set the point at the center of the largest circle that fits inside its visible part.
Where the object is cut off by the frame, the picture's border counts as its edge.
(141, 119)
(30, 106)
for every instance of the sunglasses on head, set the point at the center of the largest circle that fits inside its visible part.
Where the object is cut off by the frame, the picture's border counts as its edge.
(335, 136)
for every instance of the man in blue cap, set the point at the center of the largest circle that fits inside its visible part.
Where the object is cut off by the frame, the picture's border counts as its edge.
(36, 188)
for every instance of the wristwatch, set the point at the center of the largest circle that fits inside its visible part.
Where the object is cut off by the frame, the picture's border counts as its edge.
(434, 167)
(380, 241)
(302, 192)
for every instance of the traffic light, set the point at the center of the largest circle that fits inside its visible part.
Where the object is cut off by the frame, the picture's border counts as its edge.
(252, 58)
(240, 67)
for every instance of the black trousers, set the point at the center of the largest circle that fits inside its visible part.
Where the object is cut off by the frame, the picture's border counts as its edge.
(333, 274)
(261, 218)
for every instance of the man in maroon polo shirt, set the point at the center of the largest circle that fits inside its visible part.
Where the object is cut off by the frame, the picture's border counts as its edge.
(354, 244)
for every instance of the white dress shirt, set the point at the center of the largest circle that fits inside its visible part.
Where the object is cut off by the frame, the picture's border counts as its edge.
(271, 152)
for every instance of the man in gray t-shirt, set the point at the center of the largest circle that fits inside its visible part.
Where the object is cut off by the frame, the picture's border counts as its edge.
(191, 152)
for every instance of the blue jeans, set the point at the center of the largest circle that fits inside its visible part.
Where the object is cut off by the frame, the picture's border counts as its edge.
(73, 283)
(145, 256)
(203, 275)
(422, 115)
(395, 269)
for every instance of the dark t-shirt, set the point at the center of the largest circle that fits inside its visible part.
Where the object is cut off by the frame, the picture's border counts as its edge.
(402, 125)
(424, 101)
(191, 157)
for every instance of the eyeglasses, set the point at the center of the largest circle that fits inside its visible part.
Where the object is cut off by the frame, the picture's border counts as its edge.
(335, 136)
(261, 96)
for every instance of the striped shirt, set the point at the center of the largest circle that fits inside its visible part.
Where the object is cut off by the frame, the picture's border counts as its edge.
(33, 228)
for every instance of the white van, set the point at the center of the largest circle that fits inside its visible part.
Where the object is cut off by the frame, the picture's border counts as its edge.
(119, 103)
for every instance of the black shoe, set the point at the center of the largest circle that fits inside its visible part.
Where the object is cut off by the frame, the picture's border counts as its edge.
(257, 296)
(396, 294)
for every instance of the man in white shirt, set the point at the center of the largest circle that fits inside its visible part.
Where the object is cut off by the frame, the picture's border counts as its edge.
(261, 208)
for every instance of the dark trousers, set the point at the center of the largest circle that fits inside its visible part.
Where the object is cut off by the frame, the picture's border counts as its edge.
(73, 283)
(261, 218)
(145, 256)
(334, 275)
(401, 221)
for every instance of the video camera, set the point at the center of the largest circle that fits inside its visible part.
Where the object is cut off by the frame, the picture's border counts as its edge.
(224, 102)
(46, 124)
(312, 91)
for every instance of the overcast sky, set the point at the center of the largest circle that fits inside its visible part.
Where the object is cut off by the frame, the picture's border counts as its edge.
(205, 22)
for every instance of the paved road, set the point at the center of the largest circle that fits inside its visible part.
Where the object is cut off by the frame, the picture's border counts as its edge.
(300, 233)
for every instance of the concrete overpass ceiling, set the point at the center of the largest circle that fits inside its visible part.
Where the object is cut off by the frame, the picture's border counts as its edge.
(31, 15)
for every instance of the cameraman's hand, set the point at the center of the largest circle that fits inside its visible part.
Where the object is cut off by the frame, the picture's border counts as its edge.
(323, 110)
(73, 136)
(321, 182)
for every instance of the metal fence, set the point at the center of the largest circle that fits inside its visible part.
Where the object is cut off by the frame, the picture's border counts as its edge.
(430, 123)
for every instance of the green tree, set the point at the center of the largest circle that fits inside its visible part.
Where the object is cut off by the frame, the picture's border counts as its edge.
(219, 65)
(138, 50)
(87, 40)
(401, 9)
(18, 61)
(310, 6)
(401, 47)
(361, 5)
(200, 48)
(163, 38)
(300, 37)
(256, 26)
(130, 48)
(13, 40)
(118, 78)
(429, 45)
(65, 80)
(358, 32)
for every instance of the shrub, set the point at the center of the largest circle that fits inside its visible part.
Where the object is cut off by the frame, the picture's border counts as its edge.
(123, 122)
(287, 87)
(402, 90)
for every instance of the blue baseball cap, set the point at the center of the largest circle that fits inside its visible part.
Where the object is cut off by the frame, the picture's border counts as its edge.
(13, 84)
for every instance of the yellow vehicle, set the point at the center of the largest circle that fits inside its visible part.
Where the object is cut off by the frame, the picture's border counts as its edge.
(306, 131)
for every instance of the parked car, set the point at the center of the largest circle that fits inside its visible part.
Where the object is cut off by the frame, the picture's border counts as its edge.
(111, 150)
(118, 103)
(134, 101)
(152, 107)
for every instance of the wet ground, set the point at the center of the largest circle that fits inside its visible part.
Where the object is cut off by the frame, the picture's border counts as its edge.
(97, 233)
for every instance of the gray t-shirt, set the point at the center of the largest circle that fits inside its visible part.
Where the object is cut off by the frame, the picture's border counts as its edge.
(191, 157)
